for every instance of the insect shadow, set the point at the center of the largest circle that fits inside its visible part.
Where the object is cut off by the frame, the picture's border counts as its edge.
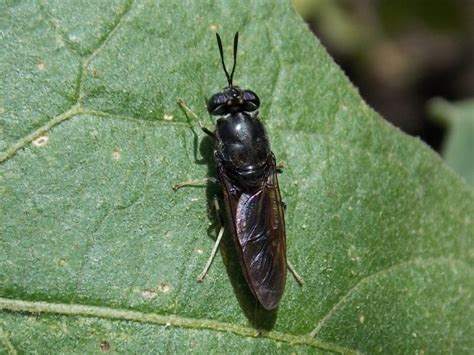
(259, 317)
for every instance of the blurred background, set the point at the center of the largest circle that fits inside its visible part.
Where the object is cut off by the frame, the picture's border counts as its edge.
(413, 62)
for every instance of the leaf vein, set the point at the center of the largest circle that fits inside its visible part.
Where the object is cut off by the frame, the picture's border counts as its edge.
(7, 344)
(103, 42)
(369, 278)
(22, 142)
(79, 310)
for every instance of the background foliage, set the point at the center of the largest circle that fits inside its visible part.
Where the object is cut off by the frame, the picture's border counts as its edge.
(401, 54)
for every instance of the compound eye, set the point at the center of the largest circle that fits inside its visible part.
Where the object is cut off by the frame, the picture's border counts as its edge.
(251, 100)
(216, 104)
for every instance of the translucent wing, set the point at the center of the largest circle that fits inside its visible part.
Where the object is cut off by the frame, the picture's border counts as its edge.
(258, 228)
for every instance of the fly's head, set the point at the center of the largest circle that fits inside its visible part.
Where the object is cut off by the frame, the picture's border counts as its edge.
(232, 98)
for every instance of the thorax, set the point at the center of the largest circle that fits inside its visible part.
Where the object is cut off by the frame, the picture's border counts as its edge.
(242, 146)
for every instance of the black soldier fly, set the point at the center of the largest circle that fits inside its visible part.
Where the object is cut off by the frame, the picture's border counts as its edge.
(247, 172)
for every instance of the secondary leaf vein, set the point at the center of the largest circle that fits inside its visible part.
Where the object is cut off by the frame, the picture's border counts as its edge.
(21, 143)
(369, 278)
(7, 344)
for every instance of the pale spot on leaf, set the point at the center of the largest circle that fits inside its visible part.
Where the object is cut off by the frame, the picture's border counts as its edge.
(116, 154)
(149, 294)
(41, 141)
(162, 287)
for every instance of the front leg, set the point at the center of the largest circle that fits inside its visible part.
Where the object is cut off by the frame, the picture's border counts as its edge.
(191, 112)
(195, 183)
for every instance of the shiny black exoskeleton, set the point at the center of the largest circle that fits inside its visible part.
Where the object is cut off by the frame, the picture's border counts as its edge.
(247, 172)
(242, 146)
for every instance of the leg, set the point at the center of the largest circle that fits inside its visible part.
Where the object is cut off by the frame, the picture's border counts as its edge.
(203, 274)
(196, 183)
(297, 277)
(295, 274)
(191, 112)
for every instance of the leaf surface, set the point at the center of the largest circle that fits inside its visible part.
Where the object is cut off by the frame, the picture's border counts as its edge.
(98, 253)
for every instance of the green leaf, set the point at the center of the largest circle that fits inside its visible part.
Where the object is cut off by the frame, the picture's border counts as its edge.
(459, 144)
(97, 252)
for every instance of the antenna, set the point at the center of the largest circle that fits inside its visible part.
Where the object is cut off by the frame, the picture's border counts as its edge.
(221, 51)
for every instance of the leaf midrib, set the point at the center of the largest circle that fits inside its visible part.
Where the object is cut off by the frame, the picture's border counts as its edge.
(81, 310)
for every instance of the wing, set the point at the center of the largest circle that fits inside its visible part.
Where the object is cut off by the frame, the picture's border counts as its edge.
(258, 228)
